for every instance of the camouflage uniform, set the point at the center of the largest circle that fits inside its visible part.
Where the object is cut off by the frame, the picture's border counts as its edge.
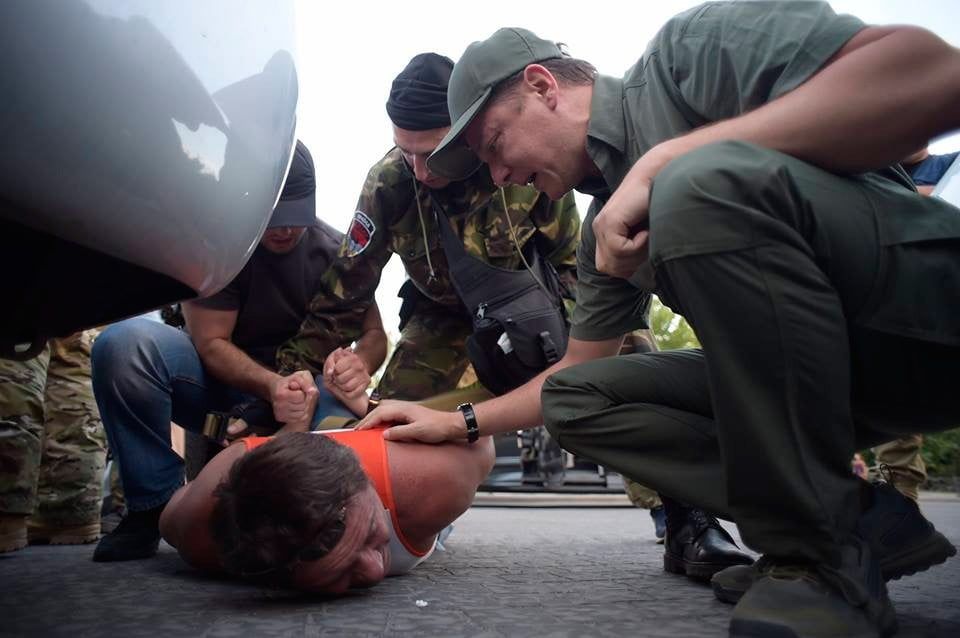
(52, 443)
(640, 495)
(430, 356)
(902, 459)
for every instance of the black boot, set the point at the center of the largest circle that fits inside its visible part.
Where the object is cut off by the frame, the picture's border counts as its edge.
(696, 545)
(901, 539)
(137, 536)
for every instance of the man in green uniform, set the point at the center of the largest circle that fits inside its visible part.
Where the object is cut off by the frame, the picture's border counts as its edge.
(52, 447)
(701, 547)
(399, 208)
(822, 286)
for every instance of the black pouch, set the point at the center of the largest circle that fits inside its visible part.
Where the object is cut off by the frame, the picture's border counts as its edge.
(519, 321)
(507, 354)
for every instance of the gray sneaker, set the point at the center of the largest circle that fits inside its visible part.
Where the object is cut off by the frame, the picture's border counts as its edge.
(902, 540)
(805, 600)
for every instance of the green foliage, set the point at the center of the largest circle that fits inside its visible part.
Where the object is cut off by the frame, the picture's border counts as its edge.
(941, 453)
(671, 331)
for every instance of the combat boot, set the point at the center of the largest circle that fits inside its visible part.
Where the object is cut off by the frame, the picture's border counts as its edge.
(13, 532)
(902, 540)
(696, 544)
(796, 599)
(111, 519)
(137, 536)
(40, 533)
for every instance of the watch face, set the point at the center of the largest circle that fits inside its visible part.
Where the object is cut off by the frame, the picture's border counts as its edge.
(373, 401)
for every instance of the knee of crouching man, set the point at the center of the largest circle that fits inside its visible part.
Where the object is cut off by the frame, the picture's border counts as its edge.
(563, 399)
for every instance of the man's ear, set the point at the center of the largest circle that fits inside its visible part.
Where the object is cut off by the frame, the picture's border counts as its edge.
(540, 81)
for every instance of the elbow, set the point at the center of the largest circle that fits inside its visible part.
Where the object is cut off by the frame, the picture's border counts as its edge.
(167, 526)
(941, 63)
(488, 457)
(933, 66)
(482, 457)
(205, 347)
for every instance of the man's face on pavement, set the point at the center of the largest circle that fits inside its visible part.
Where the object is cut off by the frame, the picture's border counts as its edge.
(521, 137)
(361, 557)
(416, 146)
(282, 239)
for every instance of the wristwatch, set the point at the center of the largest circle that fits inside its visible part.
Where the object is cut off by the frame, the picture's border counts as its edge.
(473, 429)
(373, 401)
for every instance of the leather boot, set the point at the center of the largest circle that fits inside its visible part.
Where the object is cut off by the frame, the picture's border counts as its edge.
(696, 545)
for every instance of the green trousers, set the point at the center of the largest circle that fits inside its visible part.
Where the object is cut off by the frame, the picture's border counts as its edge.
(826, 307)
(431, 355)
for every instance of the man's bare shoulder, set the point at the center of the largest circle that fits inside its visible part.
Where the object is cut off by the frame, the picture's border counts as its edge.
(434, 484)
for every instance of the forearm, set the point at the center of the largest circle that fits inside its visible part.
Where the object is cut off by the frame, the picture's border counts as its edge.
(235, 368)
(868, 109)
(371, 346)
(517, 410)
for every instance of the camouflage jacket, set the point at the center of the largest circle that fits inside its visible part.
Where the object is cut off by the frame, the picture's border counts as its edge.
(387, 221)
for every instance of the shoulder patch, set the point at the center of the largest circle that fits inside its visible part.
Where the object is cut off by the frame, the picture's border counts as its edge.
(359, 234)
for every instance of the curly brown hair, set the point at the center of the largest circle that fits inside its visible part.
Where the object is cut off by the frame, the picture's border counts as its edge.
(284, 501)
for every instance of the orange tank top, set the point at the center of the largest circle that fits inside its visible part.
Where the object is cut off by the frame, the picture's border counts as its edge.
(371, 449)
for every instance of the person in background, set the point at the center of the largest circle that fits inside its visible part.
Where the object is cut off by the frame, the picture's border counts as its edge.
(52, 447)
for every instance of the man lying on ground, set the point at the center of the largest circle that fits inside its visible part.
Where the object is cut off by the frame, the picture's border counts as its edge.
(323, 512)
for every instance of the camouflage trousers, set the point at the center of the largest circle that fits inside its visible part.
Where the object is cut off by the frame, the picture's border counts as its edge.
(902, 458)
(640, 495)
(430, 357)
(52, 443)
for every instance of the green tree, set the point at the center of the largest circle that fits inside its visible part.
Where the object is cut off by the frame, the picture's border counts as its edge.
(671, 331)
(941, 453)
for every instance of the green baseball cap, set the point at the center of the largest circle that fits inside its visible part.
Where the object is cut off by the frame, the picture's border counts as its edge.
(481, 67)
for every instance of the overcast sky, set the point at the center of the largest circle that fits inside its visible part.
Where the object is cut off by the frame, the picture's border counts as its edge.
(348, 56)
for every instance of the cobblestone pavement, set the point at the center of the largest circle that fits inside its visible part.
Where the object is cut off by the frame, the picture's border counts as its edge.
(507, 572)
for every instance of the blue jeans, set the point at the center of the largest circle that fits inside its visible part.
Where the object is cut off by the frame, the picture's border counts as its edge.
(145, 375)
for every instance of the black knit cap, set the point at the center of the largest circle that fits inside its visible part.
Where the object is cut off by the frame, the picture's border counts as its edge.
(418, 96)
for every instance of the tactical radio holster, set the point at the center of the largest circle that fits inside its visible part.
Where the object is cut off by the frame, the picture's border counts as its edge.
(519, 320)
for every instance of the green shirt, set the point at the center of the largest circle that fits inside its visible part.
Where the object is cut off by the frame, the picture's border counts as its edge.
(711, 63)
